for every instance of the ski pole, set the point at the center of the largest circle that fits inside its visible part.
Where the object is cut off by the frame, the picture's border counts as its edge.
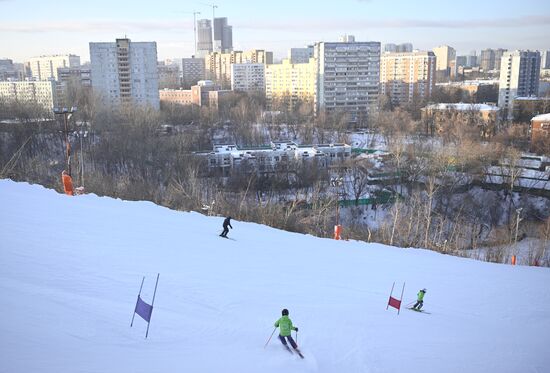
(270, 337)
(296, 337)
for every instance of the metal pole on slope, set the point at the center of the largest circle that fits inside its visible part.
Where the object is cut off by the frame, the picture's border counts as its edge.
(391, 292)
(152, 305)
(134, 314)
(401, 299)
(270, 337)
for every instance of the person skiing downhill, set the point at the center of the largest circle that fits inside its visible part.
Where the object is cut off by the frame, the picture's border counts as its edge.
(285, 327)
(226, 223)
(419, 300)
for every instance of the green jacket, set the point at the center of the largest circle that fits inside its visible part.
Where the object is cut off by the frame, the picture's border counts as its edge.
(421, 295)
(285, 326)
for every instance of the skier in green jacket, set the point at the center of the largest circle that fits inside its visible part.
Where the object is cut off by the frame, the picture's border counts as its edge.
(420, 300)
(285, 327)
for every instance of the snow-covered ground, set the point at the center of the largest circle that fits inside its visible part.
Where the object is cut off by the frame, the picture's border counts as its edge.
(72, 266)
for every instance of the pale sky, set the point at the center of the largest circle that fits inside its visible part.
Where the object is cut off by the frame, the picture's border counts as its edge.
(34, 27)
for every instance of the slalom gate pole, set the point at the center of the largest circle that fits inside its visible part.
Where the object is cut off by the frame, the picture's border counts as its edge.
(152, 304)
(391, 292)
(134, 314)
(270, 337)
(401, 299)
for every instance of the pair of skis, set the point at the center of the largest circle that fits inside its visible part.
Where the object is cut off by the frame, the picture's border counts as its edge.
(295, 349)
(421, 311)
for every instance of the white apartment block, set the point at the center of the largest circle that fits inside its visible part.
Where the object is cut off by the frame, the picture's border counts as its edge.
(40, 92)
(45, 67)
(290, 83)
(348, 77)
(125, 72)
(218, 65)
(248, 77)
(405, 76)
(519, 77)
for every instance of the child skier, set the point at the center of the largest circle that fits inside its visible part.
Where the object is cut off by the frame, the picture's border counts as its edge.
(420, 300)
(285, 327)
(226, 223)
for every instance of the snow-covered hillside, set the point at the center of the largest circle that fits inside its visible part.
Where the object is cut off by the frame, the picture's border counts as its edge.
(71, 269)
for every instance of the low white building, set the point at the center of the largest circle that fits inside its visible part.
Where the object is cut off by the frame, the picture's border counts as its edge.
(274, 156)
(248, 77)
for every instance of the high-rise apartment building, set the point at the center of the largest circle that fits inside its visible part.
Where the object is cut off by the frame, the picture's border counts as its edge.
(490, 59)
(289, 84)
(218, 65)
(300, 55)
(248, 77)
(407, 76)
(348, 77)
(519, 77)
(192, 70)
(204, 37)
(11, 71)
(445, 60)
(42, 93)
(498, 57)
(223, 36)
(125, 72)
(45, 67)
(398, 48)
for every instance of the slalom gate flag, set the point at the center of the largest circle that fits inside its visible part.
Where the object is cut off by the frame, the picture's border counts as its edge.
(394, 302)
(143, 309)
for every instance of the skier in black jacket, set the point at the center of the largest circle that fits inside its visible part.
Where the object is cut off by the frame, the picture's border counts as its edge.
(226, 223)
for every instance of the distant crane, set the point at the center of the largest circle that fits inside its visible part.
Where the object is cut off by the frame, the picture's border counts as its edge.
(214, 6)
(194, 13)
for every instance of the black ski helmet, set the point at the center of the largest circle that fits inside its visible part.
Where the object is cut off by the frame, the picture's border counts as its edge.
(285, 312)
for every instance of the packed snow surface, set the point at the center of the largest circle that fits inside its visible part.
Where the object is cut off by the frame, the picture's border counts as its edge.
(72, 267)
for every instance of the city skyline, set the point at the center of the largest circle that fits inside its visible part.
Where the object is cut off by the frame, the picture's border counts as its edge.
(470, 26)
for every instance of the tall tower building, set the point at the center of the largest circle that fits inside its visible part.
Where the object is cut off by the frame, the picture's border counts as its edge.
(445, 60)
(348, 77)
(406, 76)
(545, 60)
(223, 35)
(204, 37)
(125, 72)
(519, 77)
(45, 67)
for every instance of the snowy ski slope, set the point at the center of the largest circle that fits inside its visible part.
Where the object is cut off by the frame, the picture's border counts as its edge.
(71, 269)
